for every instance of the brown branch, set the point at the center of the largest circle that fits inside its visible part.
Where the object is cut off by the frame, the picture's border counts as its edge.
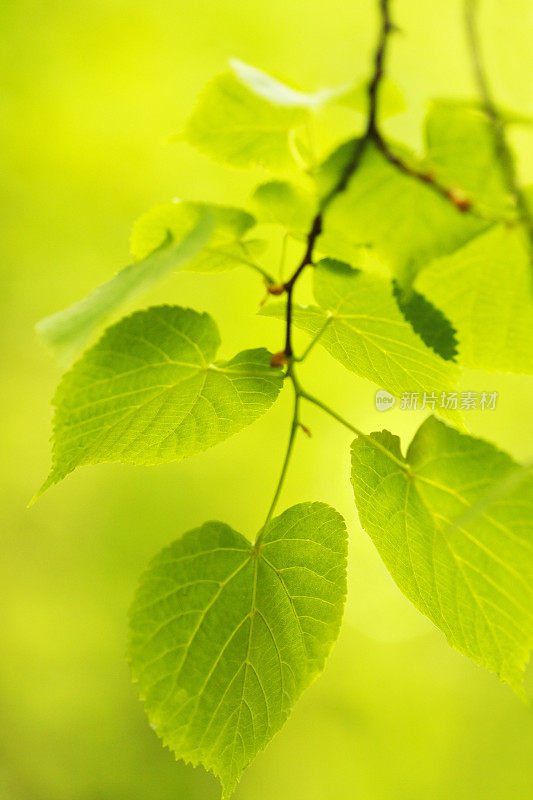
(455, 196)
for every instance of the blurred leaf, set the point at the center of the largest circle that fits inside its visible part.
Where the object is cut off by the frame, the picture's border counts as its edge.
(461, 152)
(67, 331)
(285, 204)
(405, 221)
(240, 128)
(428, 322)
(507, 115)
(471, 575)
(484, 288)
(148, 392)
(363, 328)
(226, 636)
(227, 247)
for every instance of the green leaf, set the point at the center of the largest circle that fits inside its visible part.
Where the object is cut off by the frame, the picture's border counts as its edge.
(225, 636)
(286, 204)
(431, 325)
(363, 328)
(404, 221)
(457, 546)
(461, 152)
(150, 392)
(227, 247)
(67, 331)
(484, 288)
(240, 128)
(246, 118)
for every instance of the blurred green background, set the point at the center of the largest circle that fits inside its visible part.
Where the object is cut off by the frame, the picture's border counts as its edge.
(91, 92)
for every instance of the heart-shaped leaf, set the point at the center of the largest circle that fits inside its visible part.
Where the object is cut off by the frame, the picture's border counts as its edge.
(225, 635)
(150, 392)
(454, 529)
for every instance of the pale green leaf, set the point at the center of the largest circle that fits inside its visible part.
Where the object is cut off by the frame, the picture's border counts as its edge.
(461, 152)
(484, 288)
(285, 204)
(67, 331)
(240, 128)
(150, 392)
(226, 636)
(227, 247)
(363, 328)
(404, 221)
(458, 547)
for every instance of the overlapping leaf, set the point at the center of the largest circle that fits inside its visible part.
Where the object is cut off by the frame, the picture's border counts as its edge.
(229, 245)
(461, 152)
(404, 221)
(433, 327)
(286, 204)
(171, 236)
(363, 328)
(226, 636)
(453, 526)
(484, 288)
(150, 392)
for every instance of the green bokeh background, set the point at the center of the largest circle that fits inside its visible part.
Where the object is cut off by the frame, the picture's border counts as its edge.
(91, 92)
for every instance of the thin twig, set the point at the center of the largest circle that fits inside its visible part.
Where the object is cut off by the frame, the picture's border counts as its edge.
(503, 151)
(403, 465)
(314, 340)
(290, 444)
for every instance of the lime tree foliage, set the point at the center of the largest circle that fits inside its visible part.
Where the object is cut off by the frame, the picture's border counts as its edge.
(421, 265)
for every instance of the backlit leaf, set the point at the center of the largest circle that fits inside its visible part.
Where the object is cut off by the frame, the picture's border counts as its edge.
(150, 392)
(402, 220)
(458, 547)
(234, 125)
(364, 329)
(285, 204)
(227, 247)
(484, 288)
(461, 152)
(226, 636)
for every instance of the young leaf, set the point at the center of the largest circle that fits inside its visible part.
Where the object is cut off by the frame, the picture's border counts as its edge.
(227, 247)
(459, 548)
(363, 328)
(432, 326)
(484, 288)
(149, 392)
(404, 221)
(241, 128)
(286, 204)
(461, 152)
(67, 331)
(225, 636)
